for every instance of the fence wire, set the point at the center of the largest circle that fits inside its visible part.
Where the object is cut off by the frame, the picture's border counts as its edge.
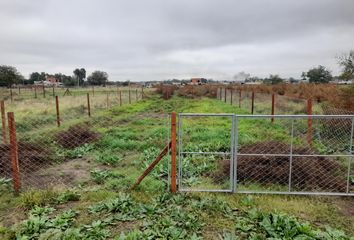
(84, 144)
(294, 154)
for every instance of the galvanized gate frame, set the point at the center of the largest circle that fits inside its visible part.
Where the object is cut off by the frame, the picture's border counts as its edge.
(234, 154)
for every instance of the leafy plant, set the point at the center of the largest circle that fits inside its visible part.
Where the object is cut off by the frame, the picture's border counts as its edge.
(95, 231)
(108, 158)
(99, 176)
(121, 204)
(5, 184)
(68, 196)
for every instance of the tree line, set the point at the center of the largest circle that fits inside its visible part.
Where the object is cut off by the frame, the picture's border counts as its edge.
(9, 76)
(319, 74)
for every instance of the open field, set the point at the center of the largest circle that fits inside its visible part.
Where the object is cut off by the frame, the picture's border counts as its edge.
(76, 177)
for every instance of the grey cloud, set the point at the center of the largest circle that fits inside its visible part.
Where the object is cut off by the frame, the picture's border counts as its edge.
(157, 39)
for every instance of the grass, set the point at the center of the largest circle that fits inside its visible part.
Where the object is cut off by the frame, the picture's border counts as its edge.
(131, 137)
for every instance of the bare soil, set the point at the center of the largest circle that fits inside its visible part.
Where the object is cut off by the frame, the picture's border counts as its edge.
(308, 173)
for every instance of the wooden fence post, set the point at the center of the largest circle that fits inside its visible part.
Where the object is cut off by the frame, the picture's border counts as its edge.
(231, 96)
(57, 109)
(43, 90)
(53, 92)
(19, 90)
(93, 91)
(120, 98)
(239, 99)
(173, 153)
(130, 101)
(35, 92)
(136, 94)
(142, 92)
(3, 122)
(107, 100)
(252, 106)
(14, 153)
(225, 95)
(309, 121)
(88, 105)
(273, 106)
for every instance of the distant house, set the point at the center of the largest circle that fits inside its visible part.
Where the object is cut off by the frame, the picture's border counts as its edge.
(49, 81)
(198, 81)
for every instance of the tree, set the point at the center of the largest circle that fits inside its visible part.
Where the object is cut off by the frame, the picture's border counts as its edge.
(273, 79)
(319, 75)
(80, 75)
(347, 62)
(36, 76)
(66, 80)
(98, 78)
(9, 76)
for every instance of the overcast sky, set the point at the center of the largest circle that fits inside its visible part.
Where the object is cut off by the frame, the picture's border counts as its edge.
(162, 39)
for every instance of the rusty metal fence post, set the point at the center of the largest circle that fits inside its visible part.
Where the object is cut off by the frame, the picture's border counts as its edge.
(57, 110)
(173, 153)
(3, 121)
(14, 153)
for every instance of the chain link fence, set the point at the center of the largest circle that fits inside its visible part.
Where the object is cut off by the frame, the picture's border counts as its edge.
(81, 140)
(266, 103)
(294, 154)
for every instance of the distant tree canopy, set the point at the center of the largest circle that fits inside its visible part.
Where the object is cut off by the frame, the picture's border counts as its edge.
(319, 75)
(273, 79)
(80, 75)
(347, 62)
(98, 78)
(9, 76)
(66, 80)
(36, 76)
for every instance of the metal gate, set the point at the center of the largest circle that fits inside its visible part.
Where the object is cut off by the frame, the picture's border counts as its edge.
(278, 154)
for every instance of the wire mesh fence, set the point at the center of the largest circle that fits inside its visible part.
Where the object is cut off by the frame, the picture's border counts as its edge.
(295, 154)
(267, 103)
(81, 141)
